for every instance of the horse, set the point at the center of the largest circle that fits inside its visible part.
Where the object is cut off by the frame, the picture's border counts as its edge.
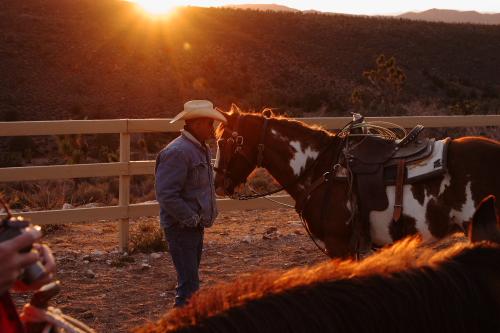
(401, 288)
(336, 210)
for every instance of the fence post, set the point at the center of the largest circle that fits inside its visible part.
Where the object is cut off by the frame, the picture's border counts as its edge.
(124, 192)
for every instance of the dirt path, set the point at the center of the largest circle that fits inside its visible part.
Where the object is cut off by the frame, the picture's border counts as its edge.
(114, 293)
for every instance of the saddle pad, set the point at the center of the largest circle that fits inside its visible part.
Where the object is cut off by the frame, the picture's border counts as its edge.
(433, 165)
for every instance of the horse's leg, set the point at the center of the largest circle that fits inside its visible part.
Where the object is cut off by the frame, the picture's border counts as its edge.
(361, 241)
(339, 230)
(327, 217)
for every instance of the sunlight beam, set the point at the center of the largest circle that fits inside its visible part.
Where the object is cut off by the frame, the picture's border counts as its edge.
(158, 7)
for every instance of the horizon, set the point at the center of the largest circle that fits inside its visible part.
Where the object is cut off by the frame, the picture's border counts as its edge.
(354, 7)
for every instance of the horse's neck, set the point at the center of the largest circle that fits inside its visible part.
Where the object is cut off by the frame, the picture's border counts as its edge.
(290, 149)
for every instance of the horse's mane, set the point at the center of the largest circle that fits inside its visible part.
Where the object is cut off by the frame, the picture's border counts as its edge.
(386, 282)
(294, 123)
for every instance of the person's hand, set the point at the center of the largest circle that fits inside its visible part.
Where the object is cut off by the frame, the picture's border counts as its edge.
(12, 262)
(48, 262)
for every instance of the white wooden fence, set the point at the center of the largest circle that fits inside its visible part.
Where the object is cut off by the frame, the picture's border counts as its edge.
(126, 168)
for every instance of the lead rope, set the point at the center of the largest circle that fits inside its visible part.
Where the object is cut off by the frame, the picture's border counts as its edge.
(268, 198)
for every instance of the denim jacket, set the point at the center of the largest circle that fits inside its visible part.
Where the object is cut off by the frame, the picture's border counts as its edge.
(184, 183)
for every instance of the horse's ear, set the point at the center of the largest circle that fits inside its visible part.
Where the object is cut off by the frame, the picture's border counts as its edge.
(267, 113)
(226, 114)
(234, 109)
(485, 223)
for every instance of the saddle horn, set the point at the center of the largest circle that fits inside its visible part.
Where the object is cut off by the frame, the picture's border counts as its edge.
(267, 113)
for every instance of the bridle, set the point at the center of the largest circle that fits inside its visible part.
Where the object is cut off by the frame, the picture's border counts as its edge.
(233, 147)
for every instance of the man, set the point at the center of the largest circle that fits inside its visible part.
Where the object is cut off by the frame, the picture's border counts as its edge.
(185, 191)
(12, 263)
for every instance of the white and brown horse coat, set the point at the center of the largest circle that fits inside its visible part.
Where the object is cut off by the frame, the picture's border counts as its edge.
(432, 208)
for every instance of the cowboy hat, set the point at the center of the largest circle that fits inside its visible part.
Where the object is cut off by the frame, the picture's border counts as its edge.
(199, 109)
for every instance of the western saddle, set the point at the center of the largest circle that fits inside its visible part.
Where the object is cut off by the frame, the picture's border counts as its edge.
(375, 162)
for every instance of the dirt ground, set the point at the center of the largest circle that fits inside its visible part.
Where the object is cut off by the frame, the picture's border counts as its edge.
(112, 292)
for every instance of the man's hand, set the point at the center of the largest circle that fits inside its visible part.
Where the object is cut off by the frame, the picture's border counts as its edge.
(48, 262)
(12, 262)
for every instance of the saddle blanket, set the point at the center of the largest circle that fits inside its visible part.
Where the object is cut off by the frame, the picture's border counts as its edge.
(434, 164)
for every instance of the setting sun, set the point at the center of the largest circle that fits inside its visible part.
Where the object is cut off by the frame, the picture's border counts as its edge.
(158, 7)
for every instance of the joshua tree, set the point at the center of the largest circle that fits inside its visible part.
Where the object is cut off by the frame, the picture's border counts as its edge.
(384, 85)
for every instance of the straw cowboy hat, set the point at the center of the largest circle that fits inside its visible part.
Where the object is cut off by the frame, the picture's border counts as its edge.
(199, 109)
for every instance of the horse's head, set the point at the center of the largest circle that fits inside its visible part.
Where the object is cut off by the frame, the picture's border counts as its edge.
(237, 149)
(485, 224)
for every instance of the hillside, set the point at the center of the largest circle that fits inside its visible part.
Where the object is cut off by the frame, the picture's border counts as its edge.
(63, 59)
(453, 16)
(263, 7)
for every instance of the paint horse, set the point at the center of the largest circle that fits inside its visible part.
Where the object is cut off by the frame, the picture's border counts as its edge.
(402, 288)
(307, 161)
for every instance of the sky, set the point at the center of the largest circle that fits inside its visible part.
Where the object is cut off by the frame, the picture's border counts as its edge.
(363, 7)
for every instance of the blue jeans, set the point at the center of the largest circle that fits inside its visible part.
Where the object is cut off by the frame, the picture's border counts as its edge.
(185, 245)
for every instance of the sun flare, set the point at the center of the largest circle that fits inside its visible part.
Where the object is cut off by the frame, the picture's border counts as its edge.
(158, 7)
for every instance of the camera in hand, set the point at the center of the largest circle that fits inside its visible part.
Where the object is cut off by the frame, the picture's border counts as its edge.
(11, 227)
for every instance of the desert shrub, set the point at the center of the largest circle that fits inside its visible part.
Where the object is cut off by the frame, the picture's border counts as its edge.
(464, 107)
(100, 192)
(147, 237)
(261, 181)
(74, 148)
(21, 144)
(11, 159)
(49, 195)
(43, 195)
(156, 141)
(107, 155)
(383, 88)
(142, 188)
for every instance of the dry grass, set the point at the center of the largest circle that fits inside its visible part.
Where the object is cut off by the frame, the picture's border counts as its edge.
(50, 195)
(147, 237)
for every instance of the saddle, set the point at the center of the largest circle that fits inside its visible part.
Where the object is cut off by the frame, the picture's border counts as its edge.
(374, 163)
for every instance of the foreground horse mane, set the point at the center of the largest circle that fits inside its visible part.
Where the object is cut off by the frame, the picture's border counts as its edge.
(439, 283)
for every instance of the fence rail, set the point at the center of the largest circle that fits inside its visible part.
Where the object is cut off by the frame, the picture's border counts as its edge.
(126, 168)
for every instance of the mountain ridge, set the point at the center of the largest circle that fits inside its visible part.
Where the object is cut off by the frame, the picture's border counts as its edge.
(431, 15)
(263, 7)
(453, 16)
